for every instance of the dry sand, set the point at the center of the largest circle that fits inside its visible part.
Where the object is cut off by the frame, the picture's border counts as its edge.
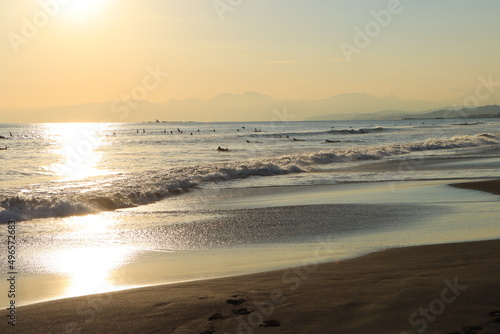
(376, 293)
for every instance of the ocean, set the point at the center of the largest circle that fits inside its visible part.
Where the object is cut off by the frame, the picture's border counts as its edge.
(112, 199)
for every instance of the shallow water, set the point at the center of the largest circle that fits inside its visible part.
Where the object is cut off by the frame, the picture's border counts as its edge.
(241, 230)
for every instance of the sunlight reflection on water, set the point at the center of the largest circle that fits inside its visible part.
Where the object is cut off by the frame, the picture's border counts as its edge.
(78, 145)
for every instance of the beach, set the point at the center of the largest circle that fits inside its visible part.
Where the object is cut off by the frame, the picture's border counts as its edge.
(181, 167)
(434, 288)
(455, 284)
(158, 232)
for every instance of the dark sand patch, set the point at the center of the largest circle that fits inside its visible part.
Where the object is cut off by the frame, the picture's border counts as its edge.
(491, 186)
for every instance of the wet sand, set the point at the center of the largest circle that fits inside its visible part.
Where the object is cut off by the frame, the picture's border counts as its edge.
(456, 285)
(444, 288)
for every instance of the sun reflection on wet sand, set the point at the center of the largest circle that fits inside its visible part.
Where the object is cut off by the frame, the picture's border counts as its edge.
(89, 266)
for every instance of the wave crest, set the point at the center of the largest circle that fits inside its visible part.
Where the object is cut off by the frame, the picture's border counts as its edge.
(133, 189)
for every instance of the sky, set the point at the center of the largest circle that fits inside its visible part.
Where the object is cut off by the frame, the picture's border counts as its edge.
(65, 52)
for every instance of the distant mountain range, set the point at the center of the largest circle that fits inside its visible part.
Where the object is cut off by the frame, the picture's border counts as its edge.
(447, 112)
(249, 106)
(478, 112)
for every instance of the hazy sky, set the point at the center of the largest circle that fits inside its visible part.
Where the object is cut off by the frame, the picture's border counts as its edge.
(98, 50)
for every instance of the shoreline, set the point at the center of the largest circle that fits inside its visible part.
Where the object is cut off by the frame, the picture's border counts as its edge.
(376, 293)
(379, 283)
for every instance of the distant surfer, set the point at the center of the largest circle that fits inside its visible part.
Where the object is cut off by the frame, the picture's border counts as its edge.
(220, 149)
(4, 148)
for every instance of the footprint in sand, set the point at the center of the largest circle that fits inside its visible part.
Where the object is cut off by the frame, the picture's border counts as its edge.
(236, 301)
(270, 323)
(241, 311)
(216, 316)
(471, 329)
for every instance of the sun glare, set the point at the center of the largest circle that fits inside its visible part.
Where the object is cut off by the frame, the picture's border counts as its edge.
(78, 146)
(83, 10)
(90, 268)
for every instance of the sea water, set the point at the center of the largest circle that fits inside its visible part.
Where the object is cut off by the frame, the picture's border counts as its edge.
(64, 169)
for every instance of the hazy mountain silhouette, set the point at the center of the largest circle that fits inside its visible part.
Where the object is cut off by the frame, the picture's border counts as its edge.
(249, 106)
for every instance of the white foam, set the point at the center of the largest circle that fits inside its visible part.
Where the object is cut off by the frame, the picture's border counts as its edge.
(133, 189)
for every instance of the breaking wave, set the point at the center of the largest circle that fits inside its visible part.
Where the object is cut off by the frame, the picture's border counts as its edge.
(320, 133)
(139, 188)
